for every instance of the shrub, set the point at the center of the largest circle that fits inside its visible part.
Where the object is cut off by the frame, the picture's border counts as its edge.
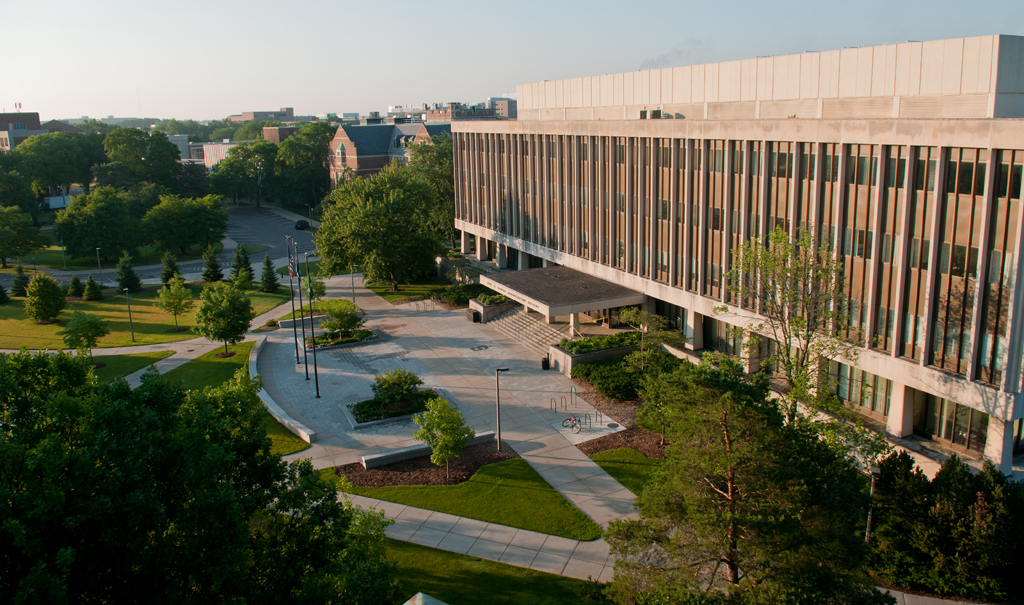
(92, 290)
(126, 275)
(44, 299)
(20, 281)
(395, 385)
(459, 295)
(616, 379)
(372, 409)
(343, 317)
(76, 288)
(600, 343)
(495, 299)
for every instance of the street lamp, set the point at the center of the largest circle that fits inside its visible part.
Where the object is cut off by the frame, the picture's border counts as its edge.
(497, 402)
(352, 280)
(291, 292)
(310, 214)
(312, 328)
(100, 266)
(131, 324)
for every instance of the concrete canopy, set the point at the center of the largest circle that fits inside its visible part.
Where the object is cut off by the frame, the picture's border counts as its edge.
(556, 291)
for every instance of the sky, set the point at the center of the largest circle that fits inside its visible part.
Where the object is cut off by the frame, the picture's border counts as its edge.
(209, 59)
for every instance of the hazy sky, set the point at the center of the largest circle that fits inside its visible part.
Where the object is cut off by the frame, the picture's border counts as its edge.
(209, 59)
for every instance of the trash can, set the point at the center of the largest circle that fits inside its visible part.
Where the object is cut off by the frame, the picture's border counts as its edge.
(545, 363)
(473, 316)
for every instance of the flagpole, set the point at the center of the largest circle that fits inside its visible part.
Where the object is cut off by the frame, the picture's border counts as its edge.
(312, 331)
(291, 290)
(302, 318)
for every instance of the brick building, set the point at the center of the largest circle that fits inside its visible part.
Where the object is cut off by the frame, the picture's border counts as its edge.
(366, 150)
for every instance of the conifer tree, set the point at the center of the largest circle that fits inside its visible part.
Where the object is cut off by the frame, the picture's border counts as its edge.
(92, 290)
(3, 295)
(211, 266)
(170, 267)
(240, 261)
(20, 281)
(268, 283)
(75, 288)
(126, 275)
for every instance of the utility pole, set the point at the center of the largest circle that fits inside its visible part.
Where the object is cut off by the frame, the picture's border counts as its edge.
(291, 291)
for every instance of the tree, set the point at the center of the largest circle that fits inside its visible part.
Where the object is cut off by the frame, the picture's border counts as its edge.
(242, 280)
(379, 223)
(247, 170)
(50, 160)
(149, 157)
(19, 282)
(178, 224)
(18, 236)
(126, 275)
(433, 163)
(101, 219)
(654, 413)
(240, 260)
(652, 334)
(92, 290)
(253, 130)
(224, 314)
(342, 317)
(75, 288)
(16, 192)
(745, 509)
(211, 266)
(83, 331)
(4, 298)
(44, 298)
(303, 165)
(240, 526)
(194, 181)
(268, 283)
(443, 428)
(168, 267)
(174, 298)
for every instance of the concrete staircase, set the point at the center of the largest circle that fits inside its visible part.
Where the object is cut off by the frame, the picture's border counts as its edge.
(529, 330)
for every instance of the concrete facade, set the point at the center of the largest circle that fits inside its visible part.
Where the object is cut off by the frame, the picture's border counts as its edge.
(922, 208)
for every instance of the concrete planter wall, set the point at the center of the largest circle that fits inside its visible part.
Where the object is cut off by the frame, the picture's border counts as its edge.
(489, 312)
(287, 323)
(301, 431)
(564, 361)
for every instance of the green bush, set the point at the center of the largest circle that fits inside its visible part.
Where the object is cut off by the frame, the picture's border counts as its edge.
(600, 343)
(395, 385)
(372, 409)
(342, 317)
(328, 340)
(459, 295)
(495, 299)
(615, 378)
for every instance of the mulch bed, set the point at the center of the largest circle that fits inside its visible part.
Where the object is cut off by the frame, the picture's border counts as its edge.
(635, 438)
(421, 471)
(99, 364)
(623, 412)
(179, 329)
(225, 355)
(48, 322)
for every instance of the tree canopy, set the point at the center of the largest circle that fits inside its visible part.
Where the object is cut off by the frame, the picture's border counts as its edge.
(148, 157)
(224, 314)
(178, 223)
(433, 162)
(304, 176)
(100, 219)
(18, 236)
(247, 171)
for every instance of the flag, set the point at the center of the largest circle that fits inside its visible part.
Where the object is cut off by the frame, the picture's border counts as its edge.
(291, 265)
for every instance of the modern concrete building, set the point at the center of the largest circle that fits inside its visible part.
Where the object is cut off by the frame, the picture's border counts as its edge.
(285, 115)
(366, 150)
(908, 157)
(504, 108)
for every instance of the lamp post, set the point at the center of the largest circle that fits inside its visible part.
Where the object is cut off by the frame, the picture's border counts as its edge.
(352, 280)
(875, 472)
(100, 266)
(131, 324)
(305, 357)
(291, 292)
(62, 255)
(310, 214)
(497, 403)
(312, 330)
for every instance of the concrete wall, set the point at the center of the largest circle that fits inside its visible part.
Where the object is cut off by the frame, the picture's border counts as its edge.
(489, 312)
(563, 361)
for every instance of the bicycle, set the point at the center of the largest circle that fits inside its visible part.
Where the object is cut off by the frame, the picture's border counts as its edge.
(573, 423)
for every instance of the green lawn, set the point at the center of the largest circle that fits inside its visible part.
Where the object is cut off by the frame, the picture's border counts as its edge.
(508, 493)
(462, 580)
(409, 292)
(314, 268)
(51, 257)
(284, 441)
(119, 366)
(151, 324)
(207, 370)
(629, 467)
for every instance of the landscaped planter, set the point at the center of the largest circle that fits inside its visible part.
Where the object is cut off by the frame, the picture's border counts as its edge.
(564, 361)
(371, 336)
(489, 312)
(406, 417)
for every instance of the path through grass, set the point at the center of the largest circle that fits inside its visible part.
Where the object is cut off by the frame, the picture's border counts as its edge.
(119, 366)
(508, 493)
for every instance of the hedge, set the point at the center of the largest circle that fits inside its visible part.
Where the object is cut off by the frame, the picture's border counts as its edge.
(600, 343)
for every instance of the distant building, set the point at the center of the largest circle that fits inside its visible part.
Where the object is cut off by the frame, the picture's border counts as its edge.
(214, 153)
(181, 142)
(16, 127)
(458, 112)
(504, 107)
(285, 114)
(60, 126)
(367, 149)
(276, 134)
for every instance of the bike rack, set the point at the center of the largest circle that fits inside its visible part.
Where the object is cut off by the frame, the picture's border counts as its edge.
(555, 403)
(588, 420)
(563, 403)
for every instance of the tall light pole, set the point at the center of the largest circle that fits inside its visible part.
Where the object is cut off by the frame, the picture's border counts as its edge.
(312, 330)
(497, 402)
(291, 292)
(352, 280)
(302, 318)
(130, 322)
(100, 266)
(62, 255)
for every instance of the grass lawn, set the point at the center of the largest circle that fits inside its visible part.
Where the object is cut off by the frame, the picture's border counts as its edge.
(207, 370)
(463, 580)
(284, 441)
(508, 493)
(151, 324)
(409, 292)
(314, 268)
(629, 467)
(119, 366)
(50, 256)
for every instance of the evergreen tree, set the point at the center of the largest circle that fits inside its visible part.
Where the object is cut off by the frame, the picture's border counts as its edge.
(268, 283)
(75, 288)
(240, 261)
(92, 290)
(44, 298)
(20, 281)
(170, 267)
(126, 275)
(211, 266)
(243, 280)
(3, 295)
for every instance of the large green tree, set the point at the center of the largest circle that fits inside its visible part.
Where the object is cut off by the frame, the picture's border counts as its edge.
(380, 224)
(50, 160)
(161, 495)
(18, 236)
(303, 165)
(247, 171)
(178, 223)
(101, 219)
(16, 191)
(224, 314)
(148, 157)
(434, 164)
(746, 508)
(83, 331)
(44, 298)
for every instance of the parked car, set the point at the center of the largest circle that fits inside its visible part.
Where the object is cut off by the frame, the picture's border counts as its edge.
(301, 225)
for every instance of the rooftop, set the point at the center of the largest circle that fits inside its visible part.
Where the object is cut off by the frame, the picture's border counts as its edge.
(557, 290)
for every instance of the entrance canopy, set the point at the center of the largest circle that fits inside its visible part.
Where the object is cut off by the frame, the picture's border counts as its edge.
(556, 291)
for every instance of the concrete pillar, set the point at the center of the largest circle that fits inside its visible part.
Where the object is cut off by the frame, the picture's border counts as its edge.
(481, 248)
(543, 262)
(900, 422)
(524, 260)
(751, 355)
(999, 444)
(548, 319)
(574, 325)
(466, 236)
(694, 331)
(502, 256)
